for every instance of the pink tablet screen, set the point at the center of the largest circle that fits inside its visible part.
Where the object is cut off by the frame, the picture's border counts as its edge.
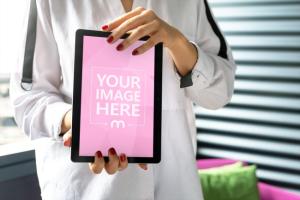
(116, 99)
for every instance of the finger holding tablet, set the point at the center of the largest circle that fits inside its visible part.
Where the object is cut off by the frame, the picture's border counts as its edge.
(115, 163)
(97, 166)
(140, 22)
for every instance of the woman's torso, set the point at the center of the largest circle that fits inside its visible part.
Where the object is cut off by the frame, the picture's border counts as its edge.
(176, 176)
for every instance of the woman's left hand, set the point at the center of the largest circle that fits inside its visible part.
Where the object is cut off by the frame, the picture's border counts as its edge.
(141, 22)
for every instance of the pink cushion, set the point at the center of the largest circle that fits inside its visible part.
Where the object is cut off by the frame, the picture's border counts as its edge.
(209, 163)
(267, 192)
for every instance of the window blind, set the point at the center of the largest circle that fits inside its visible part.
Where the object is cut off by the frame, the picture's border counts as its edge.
(261, 124)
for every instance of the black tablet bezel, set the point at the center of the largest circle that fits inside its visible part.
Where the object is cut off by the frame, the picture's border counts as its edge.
(75, 157)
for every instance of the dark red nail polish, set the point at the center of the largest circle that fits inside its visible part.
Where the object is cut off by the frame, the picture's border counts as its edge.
(110, 39)
(67, 143)
(120, 47)
(122, 157)
(99, 154)
(135, 52)
(112, 151)
(104, 27)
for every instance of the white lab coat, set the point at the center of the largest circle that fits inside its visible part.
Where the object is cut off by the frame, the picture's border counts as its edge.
(39, 112)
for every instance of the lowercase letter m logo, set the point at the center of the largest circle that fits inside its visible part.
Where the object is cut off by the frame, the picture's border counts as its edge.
(117, 124)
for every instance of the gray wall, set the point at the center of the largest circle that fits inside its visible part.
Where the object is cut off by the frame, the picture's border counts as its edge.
(18, 179)
(24, 188)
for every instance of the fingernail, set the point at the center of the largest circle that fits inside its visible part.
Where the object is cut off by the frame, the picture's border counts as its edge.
(135, 52)
(110, 39)
(104, 27)
(145, 167)
(67, 143)
(112, 151)
(99, 154)
(120, 47)
(122, 157)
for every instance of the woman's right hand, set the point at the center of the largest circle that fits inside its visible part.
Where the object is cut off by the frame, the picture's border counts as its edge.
(116, 162)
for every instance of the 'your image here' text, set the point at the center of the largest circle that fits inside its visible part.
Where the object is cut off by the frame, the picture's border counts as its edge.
(118, 95)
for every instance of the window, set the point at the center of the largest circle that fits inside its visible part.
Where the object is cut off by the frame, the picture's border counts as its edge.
(261, 124)
(13, 22)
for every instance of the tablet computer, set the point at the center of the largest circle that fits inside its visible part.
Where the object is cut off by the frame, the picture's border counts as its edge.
(116, 99)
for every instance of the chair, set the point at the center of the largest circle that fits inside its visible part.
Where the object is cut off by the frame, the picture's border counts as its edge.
(267, 192)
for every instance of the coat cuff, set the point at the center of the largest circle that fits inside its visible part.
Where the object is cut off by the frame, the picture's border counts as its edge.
(55, 114)
(200, 72)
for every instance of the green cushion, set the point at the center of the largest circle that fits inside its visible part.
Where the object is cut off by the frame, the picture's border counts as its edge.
(232, 182)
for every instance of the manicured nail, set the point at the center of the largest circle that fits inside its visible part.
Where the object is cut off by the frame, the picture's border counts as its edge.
(104, 27)
(112, 151)
(99, 154)
(67, 143)
(110, 39)
(145, 168)
(120, 47)
(135, 52)
(122, 157)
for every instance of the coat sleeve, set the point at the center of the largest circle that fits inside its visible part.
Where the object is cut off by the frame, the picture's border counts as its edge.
(39, 112)
(212, 78)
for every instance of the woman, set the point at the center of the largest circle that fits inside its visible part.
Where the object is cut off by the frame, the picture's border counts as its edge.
(197, 67)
